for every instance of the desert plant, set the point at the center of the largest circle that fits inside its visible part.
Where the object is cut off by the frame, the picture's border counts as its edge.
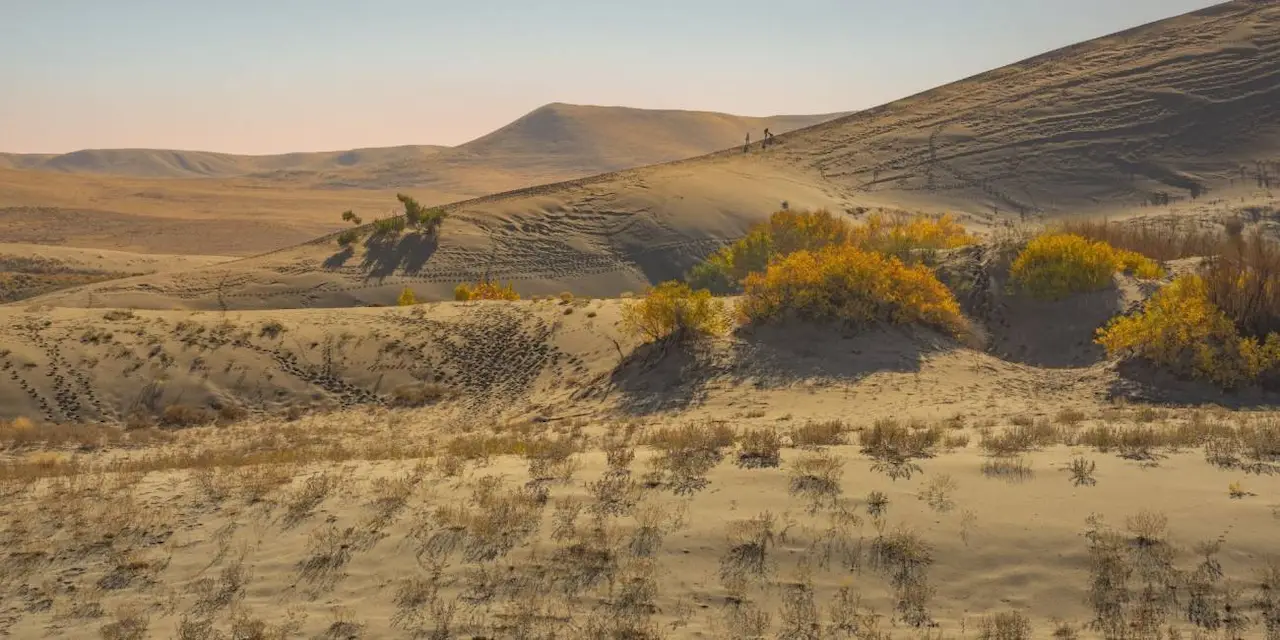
(819, 434)
(417, 216)
(1006, 625)
(485, 290)
(848, 285)
(1159, 239)
(1082, 471)
(760, 448)
(673, 310)
(406, 298)
(384, 227)
(1056, 265)
(348, 238)
(350, 216)
(1182, 330)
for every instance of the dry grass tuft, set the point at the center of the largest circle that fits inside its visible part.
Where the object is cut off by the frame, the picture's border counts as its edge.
(760, 448)
(819, 434)
(816, 479)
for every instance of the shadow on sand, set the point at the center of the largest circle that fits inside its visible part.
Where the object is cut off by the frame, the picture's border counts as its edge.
(385, 255)
(672, 374)
(1138, 381)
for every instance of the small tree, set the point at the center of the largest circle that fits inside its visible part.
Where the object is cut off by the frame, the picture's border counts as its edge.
(350, 216)
(407, 298)
(419, 217)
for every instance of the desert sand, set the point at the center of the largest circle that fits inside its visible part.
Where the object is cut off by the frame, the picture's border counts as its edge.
(268, 447)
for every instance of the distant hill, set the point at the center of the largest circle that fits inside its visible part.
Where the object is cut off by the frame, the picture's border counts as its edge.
(556, 141)
(164, 163)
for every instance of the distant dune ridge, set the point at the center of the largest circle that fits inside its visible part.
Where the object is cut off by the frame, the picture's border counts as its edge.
(1181, 111)
(550, 140)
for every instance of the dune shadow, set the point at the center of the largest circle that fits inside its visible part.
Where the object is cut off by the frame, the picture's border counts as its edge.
(384, 255)
(1139, 381)
(671, 375)
(1052, 334)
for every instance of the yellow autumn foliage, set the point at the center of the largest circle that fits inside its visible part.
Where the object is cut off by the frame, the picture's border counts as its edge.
(674, 309)
(1180, 329)
(787, 232)
(1056, 265)
(485, 290)
(407, 298)
(847, 284)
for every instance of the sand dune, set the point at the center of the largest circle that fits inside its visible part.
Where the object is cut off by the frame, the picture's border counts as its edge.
(1180, 115)
(556, 140)
(162, 201)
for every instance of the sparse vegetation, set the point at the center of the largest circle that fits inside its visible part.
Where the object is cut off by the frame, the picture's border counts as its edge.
(407, 298)
(485, 290)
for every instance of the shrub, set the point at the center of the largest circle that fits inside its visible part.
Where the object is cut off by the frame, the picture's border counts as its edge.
(1244, 282)
(348, 238)
(850, 285)
(388, 226)
(407, 298)
(1055, 265)
(787, 232)
(485, 290)
(674, 309)
(350, 216)
(1181, 329)
(419, 217)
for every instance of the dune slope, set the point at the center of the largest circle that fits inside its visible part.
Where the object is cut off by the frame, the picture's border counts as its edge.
(1181, 113)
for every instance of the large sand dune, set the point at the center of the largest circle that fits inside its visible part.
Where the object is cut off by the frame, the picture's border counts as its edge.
(1178, 115)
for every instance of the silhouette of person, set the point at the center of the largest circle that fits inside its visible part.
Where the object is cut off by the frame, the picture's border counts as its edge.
(748, 143)
(768, 137)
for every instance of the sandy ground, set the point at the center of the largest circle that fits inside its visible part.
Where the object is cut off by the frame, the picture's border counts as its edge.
(251, 449)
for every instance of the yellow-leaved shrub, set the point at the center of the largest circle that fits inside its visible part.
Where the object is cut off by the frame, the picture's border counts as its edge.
(847, 284)
(1056, 265)
(1182, 330)
(407, 298)
(789, 231)
(485, 290)
(674, 309)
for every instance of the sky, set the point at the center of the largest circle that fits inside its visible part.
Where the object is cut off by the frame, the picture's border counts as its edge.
(273, 76)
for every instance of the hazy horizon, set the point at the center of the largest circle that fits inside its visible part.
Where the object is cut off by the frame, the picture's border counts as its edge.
(297, 76)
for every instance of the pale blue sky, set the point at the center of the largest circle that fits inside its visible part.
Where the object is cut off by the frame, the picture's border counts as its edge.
(266, 76)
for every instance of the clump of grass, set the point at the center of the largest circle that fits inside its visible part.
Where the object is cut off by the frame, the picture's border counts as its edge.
(760, 448)
(819, 434)
(1008, 469)
(1006, 625)
(183, 415)
(1082, 471)
(938, 493)
(816, 478)
(887, 438)
(688, 452)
